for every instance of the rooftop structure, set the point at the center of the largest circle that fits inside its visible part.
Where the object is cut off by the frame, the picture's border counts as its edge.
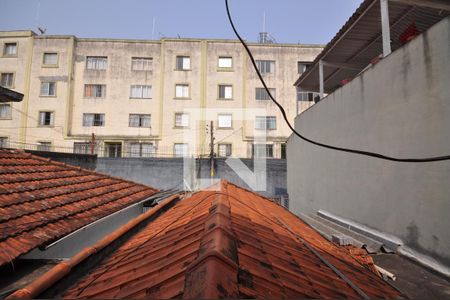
(225, 242)
(375, 30)
(42, 201)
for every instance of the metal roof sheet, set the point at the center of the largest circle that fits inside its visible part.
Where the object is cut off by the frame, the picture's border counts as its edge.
(359, 41)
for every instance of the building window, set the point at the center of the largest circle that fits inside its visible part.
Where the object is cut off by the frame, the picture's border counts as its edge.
(181, 120)
(302, 66)
(283, 150)
(4, 143)
(306, 95)
(268, 123)
(5, 111)
(139, 120)
(113, 149)
(44, 146)
(48, 89)
(225, 62)
(262, 150)
(82, 148)
(141, 91)
(50, 59)
(266, 66)
(94, 90)
(225, 92)
(10, 49)
(46, 118)
(7, 80)
(224, 150)
(96, 62)
(93, 120)
(180, 150)
(141, 63)
(142, 150)
(261, 93)
(224, 121)
(182, 90)
(183, 63)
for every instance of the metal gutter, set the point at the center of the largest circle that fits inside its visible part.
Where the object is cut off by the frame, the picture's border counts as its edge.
(98, 221)
(59, 271)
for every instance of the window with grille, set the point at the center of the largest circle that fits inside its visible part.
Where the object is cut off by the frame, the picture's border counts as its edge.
(266, 122)
(94, 90)
(4, 143)
(261, 93)
(182, 90)
(141, 91)
(142, 150)
(262, 150)
(224, 121)
(266, 66)
(225, 91)
(10, 49)
(225, 62)
(141, 63)
(224, 150)
(113, 149)
(303, 95)
(83, 148)
(7, 80)
(96, 62)
(48, 89)
(93, 120)
(139, 120)
(180, 150)
(183, 63)
(44, 146)
(5, 111)
(50, 59)
(181, 120)
(46, 118)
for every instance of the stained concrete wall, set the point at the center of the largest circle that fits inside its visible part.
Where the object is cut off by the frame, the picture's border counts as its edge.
(399, 107)
(84, 161)
(166, 173)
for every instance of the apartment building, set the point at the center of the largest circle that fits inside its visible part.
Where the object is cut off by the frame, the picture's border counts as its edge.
(134, 98)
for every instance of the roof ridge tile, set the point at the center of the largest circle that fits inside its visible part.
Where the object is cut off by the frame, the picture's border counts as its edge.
(214, 273)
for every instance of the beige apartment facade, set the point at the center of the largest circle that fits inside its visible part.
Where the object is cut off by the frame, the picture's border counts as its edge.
(136, 98)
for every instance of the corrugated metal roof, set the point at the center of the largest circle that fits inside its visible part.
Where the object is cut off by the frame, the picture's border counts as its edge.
(359, 41)
(43, 200)
(229, 243)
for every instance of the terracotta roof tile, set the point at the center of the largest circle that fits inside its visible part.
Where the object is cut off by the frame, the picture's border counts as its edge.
(230, 243)
(42, 200)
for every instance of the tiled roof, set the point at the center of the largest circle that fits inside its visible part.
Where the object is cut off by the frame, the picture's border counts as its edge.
(43, 200)
(229, 243)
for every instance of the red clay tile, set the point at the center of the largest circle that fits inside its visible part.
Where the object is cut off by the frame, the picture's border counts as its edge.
(42, 200)
(230, 243)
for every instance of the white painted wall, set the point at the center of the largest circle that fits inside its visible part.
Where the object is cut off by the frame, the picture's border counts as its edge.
(400, 107)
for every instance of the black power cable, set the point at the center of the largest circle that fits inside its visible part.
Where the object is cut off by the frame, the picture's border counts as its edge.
(283, 112)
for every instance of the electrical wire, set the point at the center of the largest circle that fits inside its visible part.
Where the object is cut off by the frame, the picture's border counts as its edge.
(283, 112)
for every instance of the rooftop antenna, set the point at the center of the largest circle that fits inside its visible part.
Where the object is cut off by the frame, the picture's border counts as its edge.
(38, 11)
(153, 28)
(264, 37)
(42, 30)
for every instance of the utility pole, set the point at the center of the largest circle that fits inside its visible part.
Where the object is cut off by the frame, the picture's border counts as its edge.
(211, 152)
(92, 144)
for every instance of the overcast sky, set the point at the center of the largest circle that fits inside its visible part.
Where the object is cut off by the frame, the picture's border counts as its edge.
(288, 21)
